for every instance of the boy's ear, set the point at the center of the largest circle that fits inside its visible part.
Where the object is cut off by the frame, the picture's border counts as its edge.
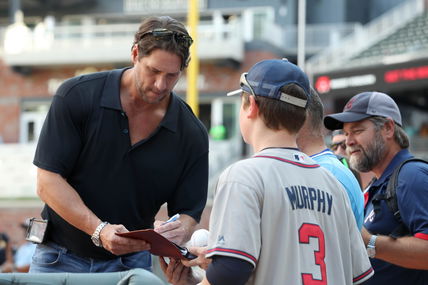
(253, 108)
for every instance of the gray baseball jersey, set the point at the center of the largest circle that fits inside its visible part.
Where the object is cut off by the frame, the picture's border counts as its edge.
(290, 218)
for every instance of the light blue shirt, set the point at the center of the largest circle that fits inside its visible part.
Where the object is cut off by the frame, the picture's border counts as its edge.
(24, 254)
(328, 160)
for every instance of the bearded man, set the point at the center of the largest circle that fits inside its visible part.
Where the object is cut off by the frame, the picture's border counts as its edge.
(376, 141)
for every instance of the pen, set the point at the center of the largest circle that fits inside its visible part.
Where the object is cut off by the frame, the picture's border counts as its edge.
(172, 219)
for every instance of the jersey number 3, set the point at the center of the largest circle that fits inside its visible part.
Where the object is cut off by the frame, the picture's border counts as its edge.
(307, 231)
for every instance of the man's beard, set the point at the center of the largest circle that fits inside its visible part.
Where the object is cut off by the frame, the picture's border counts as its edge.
(370, 156)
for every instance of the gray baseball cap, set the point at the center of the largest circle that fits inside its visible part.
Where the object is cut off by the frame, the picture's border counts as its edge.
(362, 106)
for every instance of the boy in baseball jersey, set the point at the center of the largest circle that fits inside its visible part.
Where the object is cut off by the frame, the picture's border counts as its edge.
(277, 217)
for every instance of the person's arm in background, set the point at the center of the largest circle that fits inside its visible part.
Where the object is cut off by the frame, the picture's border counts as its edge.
(220, 270)
(58, 194)
(178, 274)
(23, 269)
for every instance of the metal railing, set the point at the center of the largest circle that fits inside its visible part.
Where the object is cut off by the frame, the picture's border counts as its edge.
(333, 57)
(156, 6)
(107, 43)
(318, 36)
(89, 43)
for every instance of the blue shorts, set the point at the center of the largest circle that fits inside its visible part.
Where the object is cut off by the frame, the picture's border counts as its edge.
(51, 257)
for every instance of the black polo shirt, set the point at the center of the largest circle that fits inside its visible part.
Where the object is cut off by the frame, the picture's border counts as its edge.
(85, 138)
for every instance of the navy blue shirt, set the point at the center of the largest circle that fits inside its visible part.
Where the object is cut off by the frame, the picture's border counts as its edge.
(412, 198)
(85, 138)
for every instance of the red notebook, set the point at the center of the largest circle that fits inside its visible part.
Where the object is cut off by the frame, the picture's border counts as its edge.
(159, 245)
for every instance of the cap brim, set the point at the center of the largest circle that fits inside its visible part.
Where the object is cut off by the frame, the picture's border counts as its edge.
(335, 121)
(236, 92)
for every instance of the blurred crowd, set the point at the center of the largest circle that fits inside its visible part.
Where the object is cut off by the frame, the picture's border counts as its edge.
(15, 259)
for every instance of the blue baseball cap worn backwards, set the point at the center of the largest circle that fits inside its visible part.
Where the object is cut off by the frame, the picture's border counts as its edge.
(266, 78)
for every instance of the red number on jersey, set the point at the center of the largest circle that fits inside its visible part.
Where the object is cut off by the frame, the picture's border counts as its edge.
(307, 231)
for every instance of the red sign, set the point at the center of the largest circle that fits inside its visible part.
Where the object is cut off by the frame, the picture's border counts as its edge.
(391, 78)
(406, 74)
(323, 84)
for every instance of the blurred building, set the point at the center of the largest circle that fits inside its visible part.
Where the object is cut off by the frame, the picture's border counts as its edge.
(388, 54)
(44, 42)
(53, 40)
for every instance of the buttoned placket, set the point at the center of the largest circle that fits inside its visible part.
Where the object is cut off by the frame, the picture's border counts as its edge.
(124, 127)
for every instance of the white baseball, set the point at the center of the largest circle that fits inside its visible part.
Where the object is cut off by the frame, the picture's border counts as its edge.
(199, 238)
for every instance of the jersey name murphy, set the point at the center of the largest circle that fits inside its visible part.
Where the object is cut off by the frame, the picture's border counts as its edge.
(302, 197)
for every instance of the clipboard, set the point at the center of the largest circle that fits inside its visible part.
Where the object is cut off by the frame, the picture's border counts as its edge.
(160, 246)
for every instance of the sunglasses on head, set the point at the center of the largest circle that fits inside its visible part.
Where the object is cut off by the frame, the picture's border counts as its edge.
(335, 146)
(283, 96)
(244, 82)
(180, 38)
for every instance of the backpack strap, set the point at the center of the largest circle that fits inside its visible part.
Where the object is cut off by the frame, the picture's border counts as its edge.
(391, 199)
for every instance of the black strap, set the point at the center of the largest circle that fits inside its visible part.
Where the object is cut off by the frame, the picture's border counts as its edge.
(391, 199)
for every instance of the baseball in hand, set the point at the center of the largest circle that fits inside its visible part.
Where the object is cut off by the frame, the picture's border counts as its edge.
(199, 238)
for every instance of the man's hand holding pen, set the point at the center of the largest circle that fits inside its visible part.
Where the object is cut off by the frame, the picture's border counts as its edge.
(173, 229)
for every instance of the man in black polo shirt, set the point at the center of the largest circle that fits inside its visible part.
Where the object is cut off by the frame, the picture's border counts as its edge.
(115, 146)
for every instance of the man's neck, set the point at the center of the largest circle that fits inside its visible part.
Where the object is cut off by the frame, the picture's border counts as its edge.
(311, 146)
(269, 138)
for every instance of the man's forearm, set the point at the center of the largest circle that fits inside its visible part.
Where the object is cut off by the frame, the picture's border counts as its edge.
(65, 201)
(409, 252)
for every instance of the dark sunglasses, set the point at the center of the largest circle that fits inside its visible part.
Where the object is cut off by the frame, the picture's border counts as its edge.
(180, 38)
(335, 146)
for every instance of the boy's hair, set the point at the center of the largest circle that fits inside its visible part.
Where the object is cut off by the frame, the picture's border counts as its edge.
(279, 115)
(163, 33)
(315, 113)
